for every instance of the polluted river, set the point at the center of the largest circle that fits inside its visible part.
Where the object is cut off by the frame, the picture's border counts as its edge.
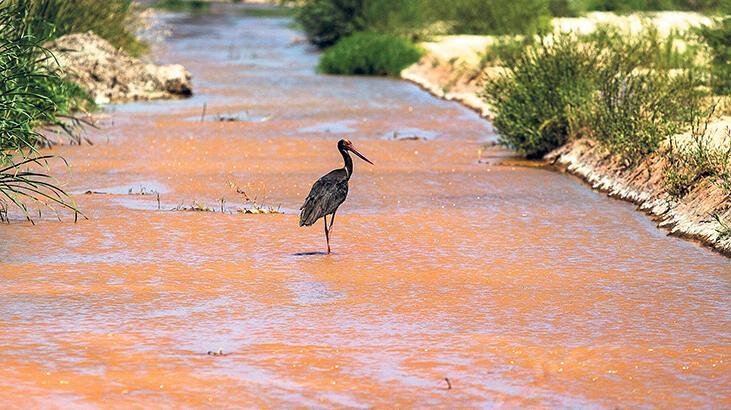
(456, 278)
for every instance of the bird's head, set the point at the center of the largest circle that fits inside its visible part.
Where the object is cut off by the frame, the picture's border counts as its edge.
(345, 144)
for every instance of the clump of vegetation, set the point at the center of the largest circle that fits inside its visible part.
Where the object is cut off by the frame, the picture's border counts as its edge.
(114, 20)
(493, 17)
(612, 87)
(182, 5)
(326, 21)
(648, 48)
(625, 6)
(369, 54)
(639, 102)
(32, 93)
(705, 155)
(718, 39)
(546, 97)
(506, 50)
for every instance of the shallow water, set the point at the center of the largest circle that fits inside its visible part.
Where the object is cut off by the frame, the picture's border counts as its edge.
(521, 285)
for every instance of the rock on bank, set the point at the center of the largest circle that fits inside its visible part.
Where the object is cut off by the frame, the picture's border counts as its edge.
(110, 75)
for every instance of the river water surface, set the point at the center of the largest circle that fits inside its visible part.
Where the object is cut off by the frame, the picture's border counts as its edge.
(522, 286)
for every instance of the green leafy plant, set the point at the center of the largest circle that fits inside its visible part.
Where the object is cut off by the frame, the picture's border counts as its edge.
(626, 6)
(718, 39)
(703, 156)
(326, 21)
(615, 88)
(182, 5)
(545, 98)
(506, 50)
(369, 54)
(32, 94)
(494, 17)
(114, 20)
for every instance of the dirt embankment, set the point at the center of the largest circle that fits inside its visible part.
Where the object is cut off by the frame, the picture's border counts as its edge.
(452, 69)
(110, 75)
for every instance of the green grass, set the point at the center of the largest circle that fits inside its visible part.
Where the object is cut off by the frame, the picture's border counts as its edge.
(543, 102)
(718, 39)
(268, 12)
(369, 54)
(493, 17)
(639, 102)
(506, 50)
(698, 159)
(626, 6)
(114, 20)
(182, 5)
(614, 88)
(32, 93)
(326, 21)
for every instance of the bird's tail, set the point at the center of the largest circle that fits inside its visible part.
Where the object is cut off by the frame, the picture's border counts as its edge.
(307, 216)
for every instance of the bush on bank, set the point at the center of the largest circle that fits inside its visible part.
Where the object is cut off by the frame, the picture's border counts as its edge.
(718, 39)
(545, 99)
(626, 6)
(369, 54)
(614, 89)
(326, 21)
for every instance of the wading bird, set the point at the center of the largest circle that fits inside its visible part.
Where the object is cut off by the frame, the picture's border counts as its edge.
(330, 191)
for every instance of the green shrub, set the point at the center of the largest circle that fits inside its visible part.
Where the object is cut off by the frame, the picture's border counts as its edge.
(647, 48)
(410, 19)
(617, 89)
(494, 17)
(506, 50)
(32, 93)
(113, 20)
(182, 5)
(326, 21)
(564, 8)
(638, 108)
(700, 158)
(545, 98)
(718, 39)
(652, 5)
(369, 54)
(639, 102)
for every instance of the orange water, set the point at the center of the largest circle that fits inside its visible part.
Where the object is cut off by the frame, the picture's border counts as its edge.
(520, 285)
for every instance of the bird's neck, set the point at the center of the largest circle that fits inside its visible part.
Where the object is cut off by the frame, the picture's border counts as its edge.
(348, 162)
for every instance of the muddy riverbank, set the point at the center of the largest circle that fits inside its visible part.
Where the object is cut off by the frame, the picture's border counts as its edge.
(451, 69)
(520, 285)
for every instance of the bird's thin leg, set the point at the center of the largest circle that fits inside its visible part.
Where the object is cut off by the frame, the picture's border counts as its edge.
(332, 219)
(327, 234)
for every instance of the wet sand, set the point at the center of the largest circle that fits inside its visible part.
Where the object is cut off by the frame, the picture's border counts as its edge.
(520, 285)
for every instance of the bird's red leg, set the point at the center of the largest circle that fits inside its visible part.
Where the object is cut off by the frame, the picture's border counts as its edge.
(327, 234)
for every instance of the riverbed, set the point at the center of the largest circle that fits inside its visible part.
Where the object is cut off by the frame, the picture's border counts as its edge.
(520, 285)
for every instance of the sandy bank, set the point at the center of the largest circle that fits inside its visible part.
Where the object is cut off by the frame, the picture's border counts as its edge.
(451, 69)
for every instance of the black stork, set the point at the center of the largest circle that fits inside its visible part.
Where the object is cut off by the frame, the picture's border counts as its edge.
(330, 191)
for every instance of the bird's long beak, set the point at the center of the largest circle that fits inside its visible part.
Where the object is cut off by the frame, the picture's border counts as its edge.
(360, 155)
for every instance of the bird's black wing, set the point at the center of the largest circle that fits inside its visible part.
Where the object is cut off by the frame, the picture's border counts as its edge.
(325, 197)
